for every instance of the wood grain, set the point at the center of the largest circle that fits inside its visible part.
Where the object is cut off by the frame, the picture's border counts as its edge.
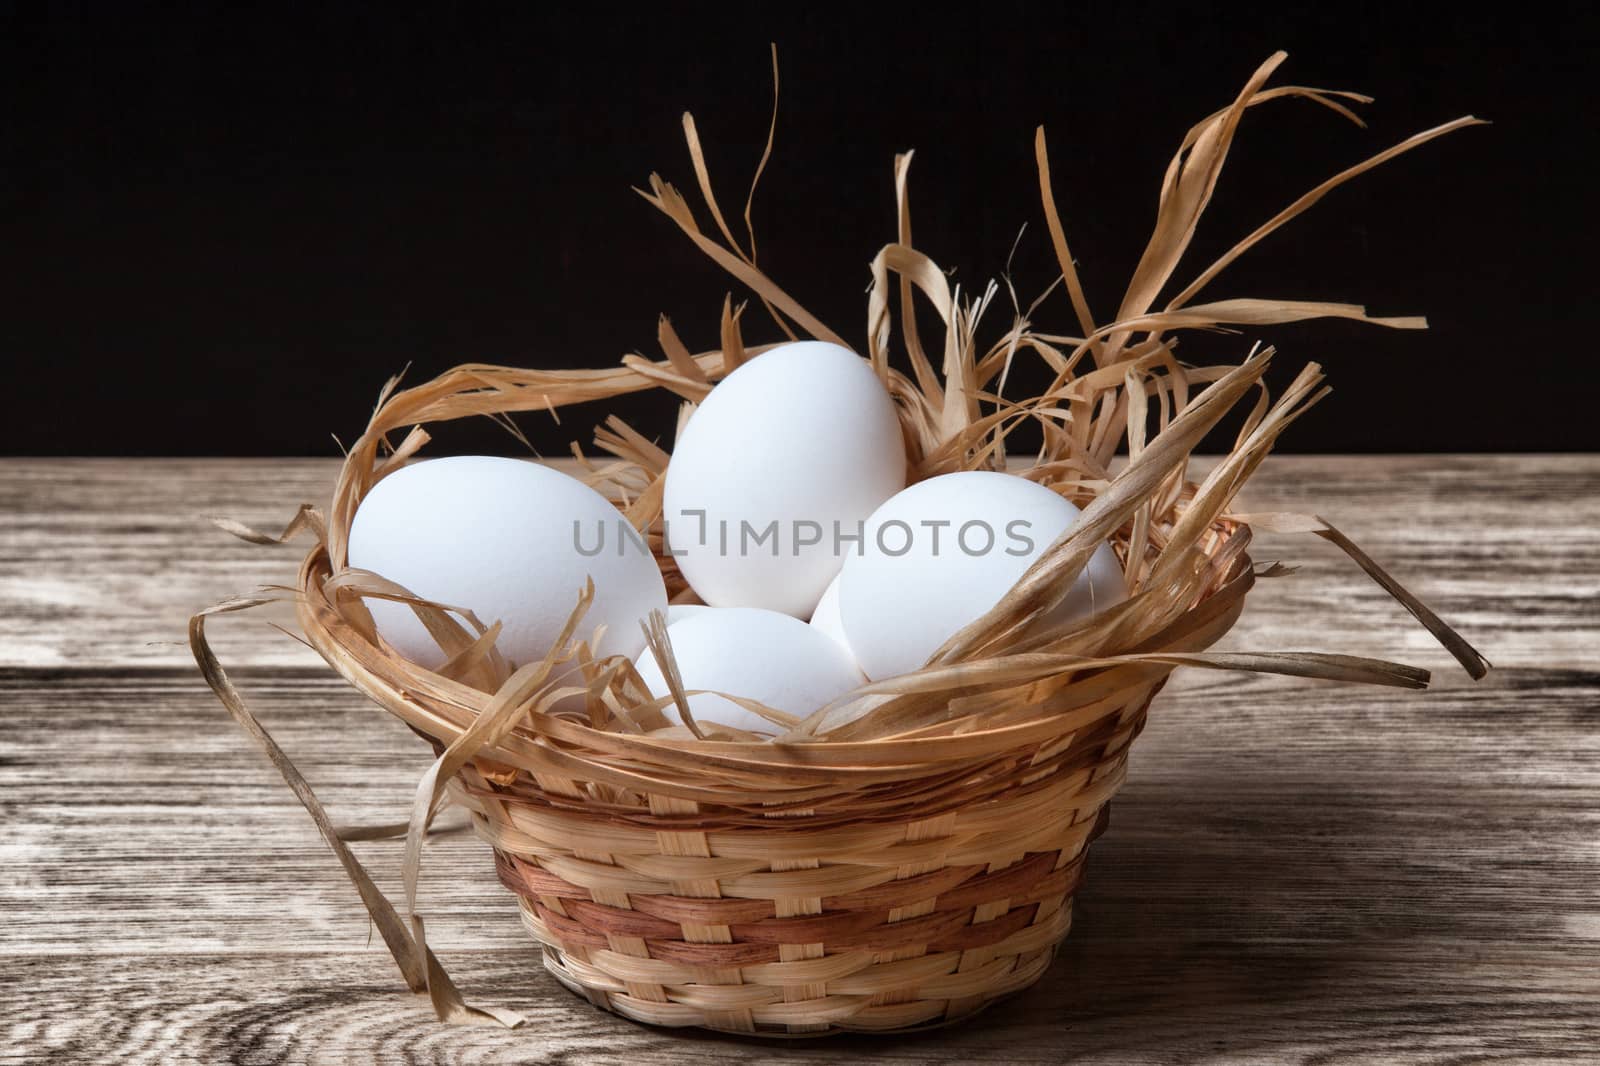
(1294, 873)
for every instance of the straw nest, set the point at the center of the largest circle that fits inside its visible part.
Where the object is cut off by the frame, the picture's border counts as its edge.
(908, 855)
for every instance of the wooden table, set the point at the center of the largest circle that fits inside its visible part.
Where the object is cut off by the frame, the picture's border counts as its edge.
(1295, 872)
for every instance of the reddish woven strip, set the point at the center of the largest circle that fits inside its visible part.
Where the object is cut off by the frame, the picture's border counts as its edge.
(952, 887)
(590, 925)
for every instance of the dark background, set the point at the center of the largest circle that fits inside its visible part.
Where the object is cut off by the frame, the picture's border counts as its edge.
(221, 231)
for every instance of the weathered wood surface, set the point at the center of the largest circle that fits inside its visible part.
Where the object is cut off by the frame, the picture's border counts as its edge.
(1295, 872)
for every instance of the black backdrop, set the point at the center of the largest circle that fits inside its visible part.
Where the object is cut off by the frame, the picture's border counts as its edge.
(220, 232)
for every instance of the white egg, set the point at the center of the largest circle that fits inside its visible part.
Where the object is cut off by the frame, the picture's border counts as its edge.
(826, 616)
(511, 541)
(775, 472)
(772, 658)
(677, 612)
(940, 554)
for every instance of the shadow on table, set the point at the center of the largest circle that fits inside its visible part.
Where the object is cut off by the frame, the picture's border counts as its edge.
(1238, 928)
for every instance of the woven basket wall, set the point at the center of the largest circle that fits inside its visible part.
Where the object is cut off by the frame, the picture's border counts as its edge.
(807, 890)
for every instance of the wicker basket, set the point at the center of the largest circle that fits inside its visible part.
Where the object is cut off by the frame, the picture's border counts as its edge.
(917, 862)
(786, 891)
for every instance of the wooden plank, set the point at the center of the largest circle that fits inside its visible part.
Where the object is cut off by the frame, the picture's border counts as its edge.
(163, 830)
(1100, 1004)
(105, 559)
(1295, 872)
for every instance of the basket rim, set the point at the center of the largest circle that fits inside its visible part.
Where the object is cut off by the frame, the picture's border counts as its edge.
(442, 708)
